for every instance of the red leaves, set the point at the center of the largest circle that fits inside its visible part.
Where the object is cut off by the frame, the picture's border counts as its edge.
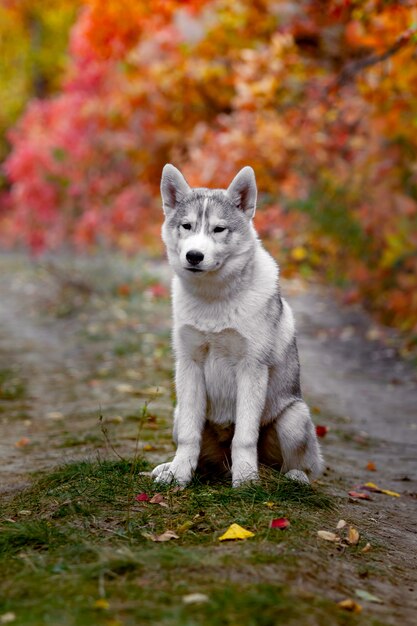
(158, 498)
(142, 497)
(321, 431)
(281, 522)
(360, 495)
(90, 180)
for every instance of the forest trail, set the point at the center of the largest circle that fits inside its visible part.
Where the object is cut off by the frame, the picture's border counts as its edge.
(83, 338)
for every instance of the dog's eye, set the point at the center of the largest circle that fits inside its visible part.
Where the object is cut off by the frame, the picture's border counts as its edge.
(219, 229)
(186, 226)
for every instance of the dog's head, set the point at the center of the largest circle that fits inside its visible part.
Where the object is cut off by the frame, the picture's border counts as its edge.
(208, 230)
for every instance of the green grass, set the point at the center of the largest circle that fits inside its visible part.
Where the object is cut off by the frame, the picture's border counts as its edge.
(78, 535)
(11, 388)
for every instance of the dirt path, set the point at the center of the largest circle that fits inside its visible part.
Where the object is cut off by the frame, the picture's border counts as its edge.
(93, 337)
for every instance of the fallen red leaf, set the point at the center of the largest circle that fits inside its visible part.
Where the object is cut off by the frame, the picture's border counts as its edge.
(321, 431)
(360, 495)
(142, 497)
(371, 466)
(279, 522)
(24, 441)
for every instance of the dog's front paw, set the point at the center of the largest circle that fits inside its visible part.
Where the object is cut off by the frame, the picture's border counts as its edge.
(159, 469)
(298, 475)
(243, 475)
(168, 473)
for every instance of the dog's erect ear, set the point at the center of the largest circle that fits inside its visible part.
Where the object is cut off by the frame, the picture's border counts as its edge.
(173, 187)
(242, 191)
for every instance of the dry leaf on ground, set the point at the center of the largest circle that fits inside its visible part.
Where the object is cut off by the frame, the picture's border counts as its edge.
(165, 536)
(370, 466)
(236, 532)
(353, 536)
(367, 547)
(341, 524)
(195, 598)
(158, 498)
(22, 443)
(350, 605)
(328, 536)
(368, 597)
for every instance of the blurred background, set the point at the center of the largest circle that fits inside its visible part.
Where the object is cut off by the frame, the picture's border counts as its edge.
(320, 97)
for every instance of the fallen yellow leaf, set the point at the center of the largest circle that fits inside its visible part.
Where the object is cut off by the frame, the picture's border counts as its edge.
(350, 605)
(185, 526)
(269, 504)
(328, 536)
(379, 490)
(101, 603)
(236, 532)
(353, 536)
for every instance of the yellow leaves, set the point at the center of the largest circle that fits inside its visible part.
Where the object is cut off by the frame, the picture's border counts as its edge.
(101, 604)
(353, 536)
(350, 605)
(387, 492)
(235, 532)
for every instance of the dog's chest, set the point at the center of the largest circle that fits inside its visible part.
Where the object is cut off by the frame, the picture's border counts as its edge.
(219, 354)
(227, 344)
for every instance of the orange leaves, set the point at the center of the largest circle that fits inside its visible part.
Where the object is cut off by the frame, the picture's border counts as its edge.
(152, 82)
(115, 26)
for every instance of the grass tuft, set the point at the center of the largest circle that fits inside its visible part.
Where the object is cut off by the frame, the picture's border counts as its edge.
(85, 537)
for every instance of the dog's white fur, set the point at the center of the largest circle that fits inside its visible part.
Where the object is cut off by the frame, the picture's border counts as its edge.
(237, 371)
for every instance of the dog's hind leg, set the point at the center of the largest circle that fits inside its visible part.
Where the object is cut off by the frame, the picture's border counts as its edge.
(301, 456)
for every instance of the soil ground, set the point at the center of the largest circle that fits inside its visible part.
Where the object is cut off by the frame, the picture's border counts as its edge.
(87, 338)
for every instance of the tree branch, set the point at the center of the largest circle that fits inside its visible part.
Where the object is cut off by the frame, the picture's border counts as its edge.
(353, 68)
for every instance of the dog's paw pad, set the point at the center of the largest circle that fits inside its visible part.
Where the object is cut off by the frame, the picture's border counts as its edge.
(298, 475)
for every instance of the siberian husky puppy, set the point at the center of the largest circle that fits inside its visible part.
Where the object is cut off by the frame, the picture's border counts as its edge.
(237, 377)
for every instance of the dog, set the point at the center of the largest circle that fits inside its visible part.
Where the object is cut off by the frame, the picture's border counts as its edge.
(237, 378)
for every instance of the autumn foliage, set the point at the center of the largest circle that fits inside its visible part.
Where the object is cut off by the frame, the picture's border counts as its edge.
(319, 97)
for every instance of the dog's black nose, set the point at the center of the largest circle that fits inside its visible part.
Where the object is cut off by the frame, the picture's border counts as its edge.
(194, 257)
